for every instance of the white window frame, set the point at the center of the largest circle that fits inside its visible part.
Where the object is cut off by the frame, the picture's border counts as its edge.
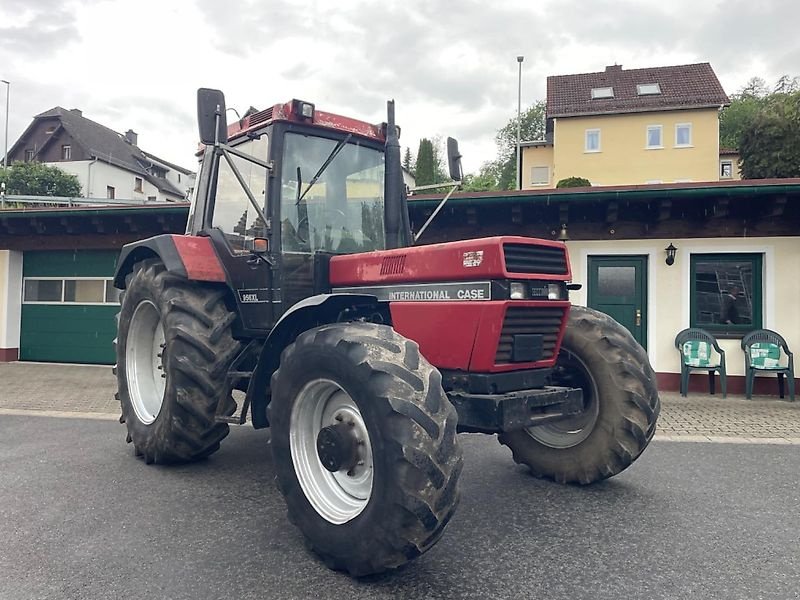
(546, 178)
(586, 148)
(648, 89)
(138, 184)
(660, 130)
(602, 92)
(689, 127)
(63, 281)
(722, 165)
(66, 152)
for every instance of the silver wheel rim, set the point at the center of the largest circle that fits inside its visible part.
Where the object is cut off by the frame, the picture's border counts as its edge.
(144, 362)
(573, 431)
(339, 496)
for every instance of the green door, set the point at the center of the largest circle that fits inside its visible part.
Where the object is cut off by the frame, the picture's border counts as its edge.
(618, 287)
(68, 306)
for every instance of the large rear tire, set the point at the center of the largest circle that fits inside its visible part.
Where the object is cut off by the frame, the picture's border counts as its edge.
(174, 347)
(621, 405)
(364, 446)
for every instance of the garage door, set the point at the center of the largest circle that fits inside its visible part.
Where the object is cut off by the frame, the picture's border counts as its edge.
(68, 306)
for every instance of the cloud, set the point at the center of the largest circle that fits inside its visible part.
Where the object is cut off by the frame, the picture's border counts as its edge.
(38, 29)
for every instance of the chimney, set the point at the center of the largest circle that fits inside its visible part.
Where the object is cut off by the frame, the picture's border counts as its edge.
(131, 137)
(613, 68)
(77, 111)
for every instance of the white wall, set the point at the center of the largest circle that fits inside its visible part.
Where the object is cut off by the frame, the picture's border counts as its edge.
(668, 289)
(95, 176)
(10, 298)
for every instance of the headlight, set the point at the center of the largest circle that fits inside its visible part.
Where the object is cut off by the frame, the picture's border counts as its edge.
(519, 291)
(553, 291)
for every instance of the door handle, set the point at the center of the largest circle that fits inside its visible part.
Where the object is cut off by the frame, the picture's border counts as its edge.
(638, 317)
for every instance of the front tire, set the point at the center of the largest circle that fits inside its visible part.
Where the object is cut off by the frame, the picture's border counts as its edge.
(174, 347)
(621, 405)
(364, 446)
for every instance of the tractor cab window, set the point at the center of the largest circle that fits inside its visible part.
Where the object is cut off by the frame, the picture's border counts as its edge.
(331, 196)
(233, 213)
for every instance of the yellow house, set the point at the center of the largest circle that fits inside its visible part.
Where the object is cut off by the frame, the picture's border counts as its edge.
(631, 127)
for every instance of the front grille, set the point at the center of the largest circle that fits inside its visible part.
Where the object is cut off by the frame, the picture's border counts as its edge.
(393, 265)
(530, 258)
(529, 319)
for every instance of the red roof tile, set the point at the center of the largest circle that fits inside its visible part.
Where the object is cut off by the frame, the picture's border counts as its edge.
(682, 87)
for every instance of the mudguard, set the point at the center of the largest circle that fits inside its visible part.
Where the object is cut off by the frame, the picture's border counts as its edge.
(192, 257)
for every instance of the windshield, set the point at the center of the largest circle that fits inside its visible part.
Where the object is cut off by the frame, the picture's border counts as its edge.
(342, 210)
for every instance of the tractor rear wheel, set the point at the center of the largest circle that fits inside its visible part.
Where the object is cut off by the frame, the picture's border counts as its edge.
(364, 446)
(621, 405)
(174, 347)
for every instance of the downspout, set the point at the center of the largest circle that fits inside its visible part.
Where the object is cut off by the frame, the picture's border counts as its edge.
(89, 178)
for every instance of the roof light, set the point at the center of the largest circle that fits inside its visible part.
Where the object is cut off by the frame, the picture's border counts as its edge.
(648, 89)
(304, 110)
(602, 92)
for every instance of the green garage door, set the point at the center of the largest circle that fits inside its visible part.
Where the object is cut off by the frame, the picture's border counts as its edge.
(68, 306)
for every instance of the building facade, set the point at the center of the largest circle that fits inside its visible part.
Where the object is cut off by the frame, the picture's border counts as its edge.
(630, 127)
(107, 164)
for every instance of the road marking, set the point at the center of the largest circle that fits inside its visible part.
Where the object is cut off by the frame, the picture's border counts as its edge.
(63, 414)
(728, 439)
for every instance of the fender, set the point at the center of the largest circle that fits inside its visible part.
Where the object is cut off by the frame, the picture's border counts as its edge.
(306, 314)
(189, 256)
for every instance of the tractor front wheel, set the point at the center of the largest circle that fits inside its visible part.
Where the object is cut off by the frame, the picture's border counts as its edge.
(174, 347)
(621, 405)
(364, 446)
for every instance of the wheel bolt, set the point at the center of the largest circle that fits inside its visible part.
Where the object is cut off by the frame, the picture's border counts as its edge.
(162, 346)
(338, 417)
(351, 423)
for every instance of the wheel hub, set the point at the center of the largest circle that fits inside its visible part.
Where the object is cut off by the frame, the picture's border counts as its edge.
(337, 447)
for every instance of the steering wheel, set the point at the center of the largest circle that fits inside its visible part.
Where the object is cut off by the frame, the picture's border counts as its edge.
(325, 212)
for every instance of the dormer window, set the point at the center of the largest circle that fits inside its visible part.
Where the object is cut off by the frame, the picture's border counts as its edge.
(648, 89)
(602, 92)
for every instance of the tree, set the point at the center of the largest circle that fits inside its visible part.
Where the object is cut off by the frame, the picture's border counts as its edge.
(571, 182)
(408, 161)
(532, 127)
(39, 179)
(426, 163)
(488, 178)
(770, 143)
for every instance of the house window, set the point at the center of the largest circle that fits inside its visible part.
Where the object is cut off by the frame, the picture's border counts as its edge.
(66, 152)
(79, 290)
(540, 175)
(151, 198)
(602, 92)
(683, 134)
(726, 169)
(110, 192)
(137, 184)
(648, 89)
(654, 136)
(726, 294)
(592, 140)
(28, 155)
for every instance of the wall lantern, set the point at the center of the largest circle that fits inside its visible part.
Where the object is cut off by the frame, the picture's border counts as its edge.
(670, 250)
(563, 236)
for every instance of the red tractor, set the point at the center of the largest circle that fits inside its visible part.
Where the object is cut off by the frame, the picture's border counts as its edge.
(297, 296)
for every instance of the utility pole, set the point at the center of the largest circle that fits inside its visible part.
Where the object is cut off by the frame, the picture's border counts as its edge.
(8, 94)
(519, 112)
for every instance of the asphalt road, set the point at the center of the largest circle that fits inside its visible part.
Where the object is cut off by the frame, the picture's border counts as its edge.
(80, 517)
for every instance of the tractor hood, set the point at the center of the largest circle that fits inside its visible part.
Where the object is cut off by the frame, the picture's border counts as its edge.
(503, 257)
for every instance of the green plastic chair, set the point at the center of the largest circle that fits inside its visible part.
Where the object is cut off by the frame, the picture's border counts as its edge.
(762, 353)
(697, 347)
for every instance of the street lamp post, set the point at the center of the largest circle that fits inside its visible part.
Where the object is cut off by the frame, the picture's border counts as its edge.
(519, 112)
(5, 151)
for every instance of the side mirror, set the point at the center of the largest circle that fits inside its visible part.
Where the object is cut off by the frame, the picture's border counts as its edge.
(454, 159)
(211, 116)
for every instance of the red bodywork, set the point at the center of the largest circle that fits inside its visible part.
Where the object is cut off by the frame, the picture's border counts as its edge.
(460, 335)
(199, 259)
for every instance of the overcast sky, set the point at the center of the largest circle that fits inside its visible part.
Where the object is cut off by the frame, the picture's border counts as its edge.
(450, 65)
